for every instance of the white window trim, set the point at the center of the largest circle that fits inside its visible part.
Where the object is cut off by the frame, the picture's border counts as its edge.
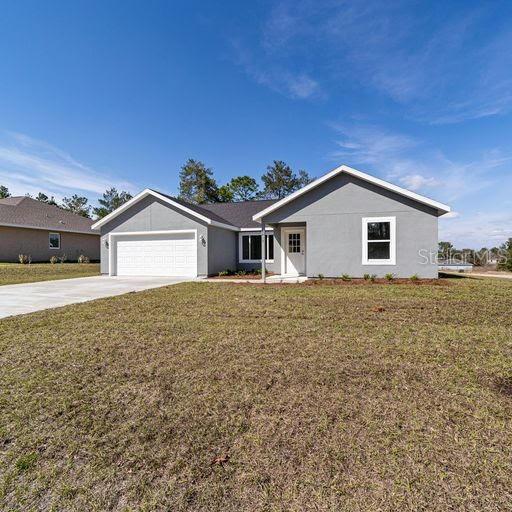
(50, 245)
(240, 246)
(392, 241)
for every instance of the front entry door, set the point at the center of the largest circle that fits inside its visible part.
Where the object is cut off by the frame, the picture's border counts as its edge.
(295, 251)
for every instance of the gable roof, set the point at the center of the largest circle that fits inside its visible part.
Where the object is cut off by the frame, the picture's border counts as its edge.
(440, 207)
(226, 215)
(25, 212)
(248, 214)
(192, 209)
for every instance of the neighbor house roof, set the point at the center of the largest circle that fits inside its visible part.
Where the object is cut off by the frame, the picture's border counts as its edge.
(440, 207)
(25, 212)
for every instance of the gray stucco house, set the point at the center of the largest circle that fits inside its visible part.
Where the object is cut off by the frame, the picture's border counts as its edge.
(346, 222)
(41, 230)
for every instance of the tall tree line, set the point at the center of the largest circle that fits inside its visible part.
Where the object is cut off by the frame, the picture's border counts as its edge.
(198, 185)
(79, 205)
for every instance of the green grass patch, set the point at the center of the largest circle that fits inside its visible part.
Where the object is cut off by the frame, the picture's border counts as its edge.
(16, 273)
(226, 397)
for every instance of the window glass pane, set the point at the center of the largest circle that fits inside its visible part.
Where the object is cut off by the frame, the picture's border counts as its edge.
(270, 247)
(378, 231)
(245, 247)
(378, 250)
(54, 240)
(294, 242)
(255, 247)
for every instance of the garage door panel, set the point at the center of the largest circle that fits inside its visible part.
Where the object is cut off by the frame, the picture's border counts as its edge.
(157, 255)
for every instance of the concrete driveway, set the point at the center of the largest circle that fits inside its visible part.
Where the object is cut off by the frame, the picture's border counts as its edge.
(17, 299)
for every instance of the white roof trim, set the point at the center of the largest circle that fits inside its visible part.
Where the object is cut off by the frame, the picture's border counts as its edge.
(358, 174)
(147, 192)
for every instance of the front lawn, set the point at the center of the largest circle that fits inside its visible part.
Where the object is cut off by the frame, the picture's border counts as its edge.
(15, 273)
(226, 397)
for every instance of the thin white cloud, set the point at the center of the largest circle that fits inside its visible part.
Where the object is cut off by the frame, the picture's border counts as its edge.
(412, 163)
(451, 215)
(480, 229)
(417, 182)
(442, 69)
(29, 165)
(294, 84)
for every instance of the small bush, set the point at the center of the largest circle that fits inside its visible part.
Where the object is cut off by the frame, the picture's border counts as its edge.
(54, 260)
(346, 277)
(414, 277)
(83, 259)
(25, 259)
(320, 276)
(240, 272)
(373, 277)
(63, 258)
(226, 272)
(366, 277)
(389, 276)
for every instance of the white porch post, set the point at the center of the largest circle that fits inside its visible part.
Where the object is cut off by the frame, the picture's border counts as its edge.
(263, 251)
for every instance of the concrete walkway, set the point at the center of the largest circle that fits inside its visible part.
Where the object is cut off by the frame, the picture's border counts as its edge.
(17, 299)
(497, 275)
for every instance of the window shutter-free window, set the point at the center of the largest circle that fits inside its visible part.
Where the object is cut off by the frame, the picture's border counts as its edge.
(54, 240)
(379, 241)
(251, 247)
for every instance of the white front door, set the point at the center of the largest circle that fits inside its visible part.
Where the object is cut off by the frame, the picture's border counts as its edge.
(295, 251)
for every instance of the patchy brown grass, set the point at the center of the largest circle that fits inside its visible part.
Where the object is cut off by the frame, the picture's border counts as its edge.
(16, 273)
(214, 397)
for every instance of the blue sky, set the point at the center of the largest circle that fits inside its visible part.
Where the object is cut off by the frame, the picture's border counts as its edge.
(100, 94)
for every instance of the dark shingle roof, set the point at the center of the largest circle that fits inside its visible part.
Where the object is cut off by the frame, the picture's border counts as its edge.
(240, 214)
(27, 212)
(236, 214)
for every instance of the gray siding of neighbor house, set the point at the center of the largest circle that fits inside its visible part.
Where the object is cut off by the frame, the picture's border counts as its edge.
(333, 213)
(221, 249)
(151, 214)
(35, 242)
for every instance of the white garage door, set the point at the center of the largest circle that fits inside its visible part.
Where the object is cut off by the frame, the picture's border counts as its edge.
(156, 255)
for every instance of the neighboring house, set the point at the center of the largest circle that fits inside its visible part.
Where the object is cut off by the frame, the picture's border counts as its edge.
(346, 222)
(41, 231)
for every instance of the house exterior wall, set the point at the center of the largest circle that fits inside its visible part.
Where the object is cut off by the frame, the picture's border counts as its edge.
(34, 242)
(333, 213)
(221, 245)
(151, 214)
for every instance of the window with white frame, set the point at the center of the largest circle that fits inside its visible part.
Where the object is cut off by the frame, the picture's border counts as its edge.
(54, 240)
(379, 241)
(250, 247)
